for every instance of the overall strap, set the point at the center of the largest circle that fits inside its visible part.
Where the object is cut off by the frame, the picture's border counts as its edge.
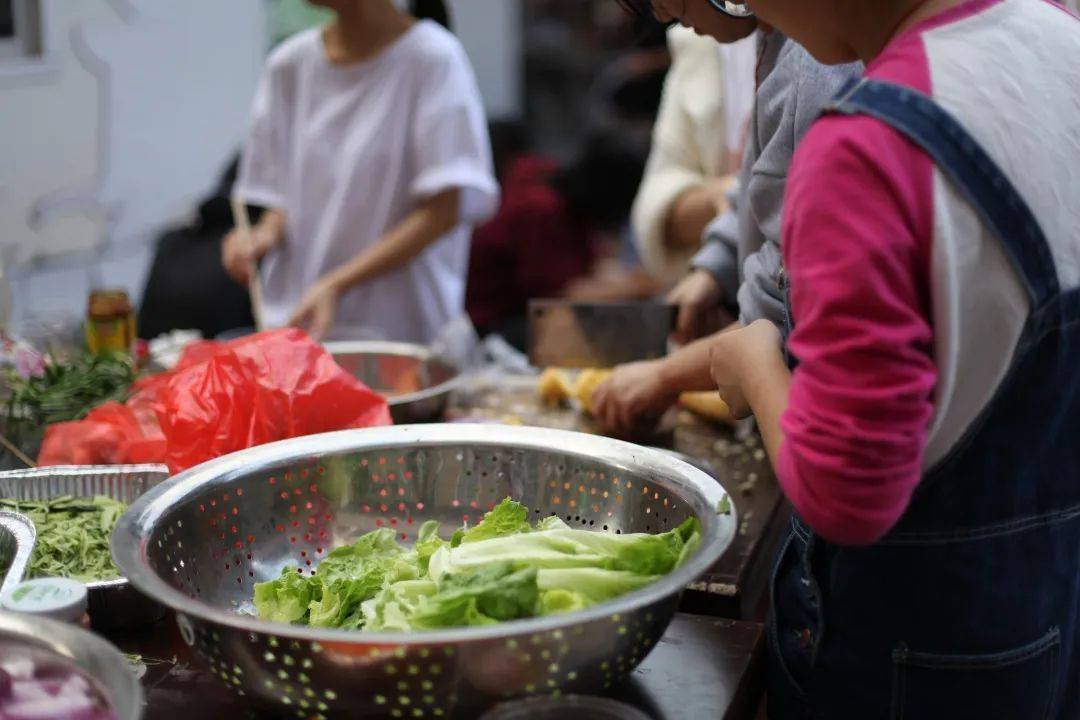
(966, 164)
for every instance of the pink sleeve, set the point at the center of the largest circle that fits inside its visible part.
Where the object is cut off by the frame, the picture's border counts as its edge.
(858, 220)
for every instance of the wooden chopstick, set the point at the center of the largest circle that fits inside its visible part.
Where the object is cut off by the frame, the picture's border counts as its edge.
(243, 224)
(14, 450)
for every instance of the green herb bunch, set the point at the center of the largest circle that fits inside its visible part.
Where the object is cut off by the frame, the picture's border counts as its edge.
(69, 390)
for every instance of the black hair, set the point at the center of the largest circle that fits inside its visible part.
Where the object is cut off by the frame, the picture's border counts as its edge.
(649, 34)
(643, 12)
(638, 98)
(600, 184)
(215, 210)
(432, 10)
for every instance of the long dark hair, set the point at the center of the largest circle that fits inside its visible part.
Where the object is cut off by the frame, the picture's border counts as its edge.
(431, 10)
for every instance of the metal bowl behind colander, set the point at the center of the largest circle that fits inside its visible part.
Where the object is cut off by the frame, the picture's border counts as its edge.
(100, 660)
(200, 542)
(416, 382)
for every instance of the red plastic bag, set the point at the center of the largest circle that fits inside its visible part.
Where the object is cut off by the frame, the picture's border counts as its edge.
(112, 434)
(271, 386)
(221, 398)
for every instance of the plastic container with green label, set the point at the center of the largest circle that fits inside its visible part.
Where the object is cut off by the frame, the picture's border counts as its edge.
(54, 598)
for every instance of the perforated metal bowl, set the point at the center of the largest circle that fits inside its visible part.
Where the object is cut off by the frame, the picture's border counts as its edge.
(200, 542)
(416, 382)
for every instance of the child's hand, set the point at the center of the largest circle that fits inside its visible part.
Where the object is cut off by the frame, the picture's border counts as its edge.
(698, 298)
(737, 357)
(632, 398)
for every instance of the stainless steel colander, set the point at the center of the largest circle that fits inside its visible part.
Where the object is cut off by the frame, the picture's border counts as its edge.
(199, 543)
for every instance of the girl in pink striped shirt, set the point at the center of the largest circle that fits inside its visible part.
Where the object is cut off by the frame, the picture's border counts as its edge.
(926, 436)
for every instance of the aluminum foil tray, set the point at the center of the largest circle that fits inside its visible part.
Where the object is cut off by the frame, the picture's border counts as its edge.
(112, 603)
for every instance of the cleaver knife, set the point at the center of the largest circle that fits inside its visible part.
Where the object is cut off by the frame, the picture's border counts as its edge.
(570, 334)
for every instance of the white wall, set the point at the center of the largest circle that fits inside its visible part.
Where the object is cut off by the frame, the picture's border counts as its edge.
(491, 31)
(145, 101)
(48, 131)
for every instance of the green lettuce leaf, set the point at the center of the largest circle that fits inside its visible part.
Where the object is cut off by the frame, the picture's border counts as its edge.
(343, 581)
(552, 522)
(348, 586)
(554, 602)
(506, 518)
(495, 593)
(391, 609)
(427, 542)
(349, 561)
(502, 569)
(592, 585)
(638, 553)
(690, 531)
(284, 599)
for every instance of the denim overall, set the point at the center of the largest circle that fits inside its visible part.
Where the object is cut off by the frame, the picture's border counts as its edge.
(968, 607)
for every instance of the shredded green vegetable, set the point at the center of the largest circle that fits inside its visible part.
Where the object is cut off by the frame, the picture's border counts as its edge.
(72, 536)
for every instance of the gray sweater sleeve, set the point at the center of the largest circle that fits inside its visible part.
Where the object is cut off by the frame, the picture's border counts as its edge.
(789, 100)
(760, 296)
(719, 254)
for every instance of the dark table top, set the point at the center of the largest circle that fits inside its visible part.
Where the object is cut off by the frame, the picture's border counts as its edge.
(703, 667)
(735, 585)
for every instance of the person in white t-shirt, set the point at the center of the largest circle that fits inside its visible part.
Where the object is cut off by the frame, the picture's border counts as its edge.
(369, 148)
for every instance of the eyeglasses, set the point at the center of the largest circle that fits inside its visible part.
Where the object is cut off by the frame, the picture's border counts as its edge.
(731, 8)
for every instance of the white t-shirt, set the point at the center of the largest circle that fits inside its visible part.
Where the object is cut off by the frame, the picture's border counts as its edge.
(348, 151)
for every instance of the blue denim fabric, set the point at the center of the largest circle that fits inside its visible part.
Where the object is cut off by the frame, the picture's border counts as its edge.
(968, 608)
